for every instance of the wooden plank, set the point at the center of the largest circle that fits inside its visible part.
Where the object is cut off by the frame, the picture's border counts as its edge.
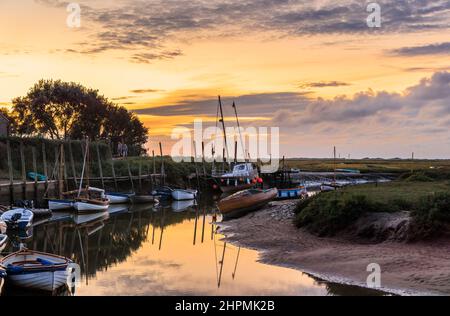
(100, 165)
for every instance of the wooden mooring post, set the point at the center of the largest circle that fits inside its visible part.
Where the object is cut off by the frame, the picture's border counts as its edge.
(44, 161)
(163, 174)
(72, 164)
(33, 154)
(10, 171)
(100, 170)
(112, 168)
(24, 172)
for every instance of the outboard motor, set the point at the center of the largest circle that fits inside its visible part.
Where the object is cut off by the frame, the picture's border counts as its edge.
(15, 218)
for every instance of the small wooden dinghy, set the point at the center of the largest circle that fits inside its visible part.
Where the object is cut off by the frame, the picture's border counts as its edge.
(246, 201)
(144, 199)
(119, 198)
(36, 270)
(19, 218)
(184, 195)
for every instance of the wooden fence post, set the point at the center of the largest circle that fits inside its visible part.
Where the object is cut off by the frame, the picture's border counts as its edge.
(112, 167)
(10, 170)
(33, 152)
(24, 172)
(100, 165)
(72, 163)
(44, 161)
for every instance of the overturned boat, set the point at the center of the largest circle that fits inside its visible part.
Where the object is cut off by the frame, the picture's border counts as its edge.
(245, 201)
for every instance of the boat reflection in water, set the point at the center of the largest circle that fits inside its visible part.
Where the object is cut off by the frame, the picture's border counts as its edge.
(157, 250)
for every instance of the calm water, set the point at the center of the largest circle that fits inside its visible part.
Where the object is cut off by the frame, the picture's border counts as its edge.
(167, 250)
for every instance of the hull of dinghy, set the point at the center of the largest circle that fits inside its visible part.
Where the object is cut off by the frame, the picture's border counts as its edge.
(44, 281)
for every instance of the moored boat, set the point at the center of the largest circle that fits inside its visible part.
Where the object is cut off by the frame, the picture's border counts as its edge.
(163, 192)
(91, 205)
(184, 195)
(36, 176)
(119, 198)
(36, 270)
(244, 176)
(293, 193)
(326, 187)
(18, 218)
(245, 201)
(60, 205)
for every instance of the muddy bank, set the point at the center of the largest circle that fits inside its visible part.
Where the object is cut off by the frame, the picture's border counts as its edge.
(407, 268)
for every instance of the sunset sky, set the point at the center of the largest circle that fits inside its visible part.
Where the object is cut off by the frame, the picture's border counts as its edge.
(313, 68)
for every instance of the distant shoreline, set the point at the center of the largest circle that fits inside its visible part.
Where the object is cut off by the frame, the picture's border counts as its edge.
(407, 268)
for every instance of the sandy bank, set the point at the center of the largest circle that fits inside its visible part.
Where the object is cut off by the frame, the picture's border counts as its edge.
(407, 268)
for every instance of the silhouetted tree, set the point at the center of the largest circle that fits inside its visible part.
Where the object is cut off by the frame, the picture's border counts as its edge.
(61, 110)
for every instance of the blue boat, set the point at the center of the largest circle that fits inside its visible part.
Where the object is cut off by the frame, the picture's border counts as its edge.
(18, 218)
(293, 193)
(164, 193)
(36, 176)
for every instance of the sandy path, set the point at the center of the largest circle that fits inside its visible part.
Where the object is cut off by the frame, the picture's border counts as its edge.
(419, 268)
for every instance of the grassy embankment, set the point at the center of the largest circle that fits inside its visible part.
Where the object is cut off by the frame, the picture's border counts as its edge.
(425, 194)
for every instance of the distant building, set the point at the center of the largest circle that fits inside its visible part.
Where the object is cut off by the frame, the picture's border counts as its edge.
(4, 125)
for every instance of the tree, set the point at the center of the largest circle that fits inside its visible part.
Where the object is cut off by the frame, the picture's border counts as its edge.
(62, 110)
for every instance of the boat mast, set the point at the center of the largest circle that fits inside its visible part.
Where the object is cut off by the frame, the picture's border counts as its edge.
(334, 163)
(223, 127)
(240, 134)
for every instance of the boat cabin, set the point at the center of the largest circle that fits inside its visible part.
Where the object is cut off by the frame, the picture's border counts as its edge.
(242, 170)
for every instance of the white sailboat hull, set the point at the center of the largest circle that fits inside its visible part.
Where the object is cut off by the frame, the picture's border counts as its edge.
(117, 199)
(44, 281)
(184, 195)
(59, 205)
(89, 207)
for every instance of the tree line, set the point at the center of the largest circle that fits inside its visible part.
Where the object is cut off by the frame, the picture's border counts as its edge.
(66, 110)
